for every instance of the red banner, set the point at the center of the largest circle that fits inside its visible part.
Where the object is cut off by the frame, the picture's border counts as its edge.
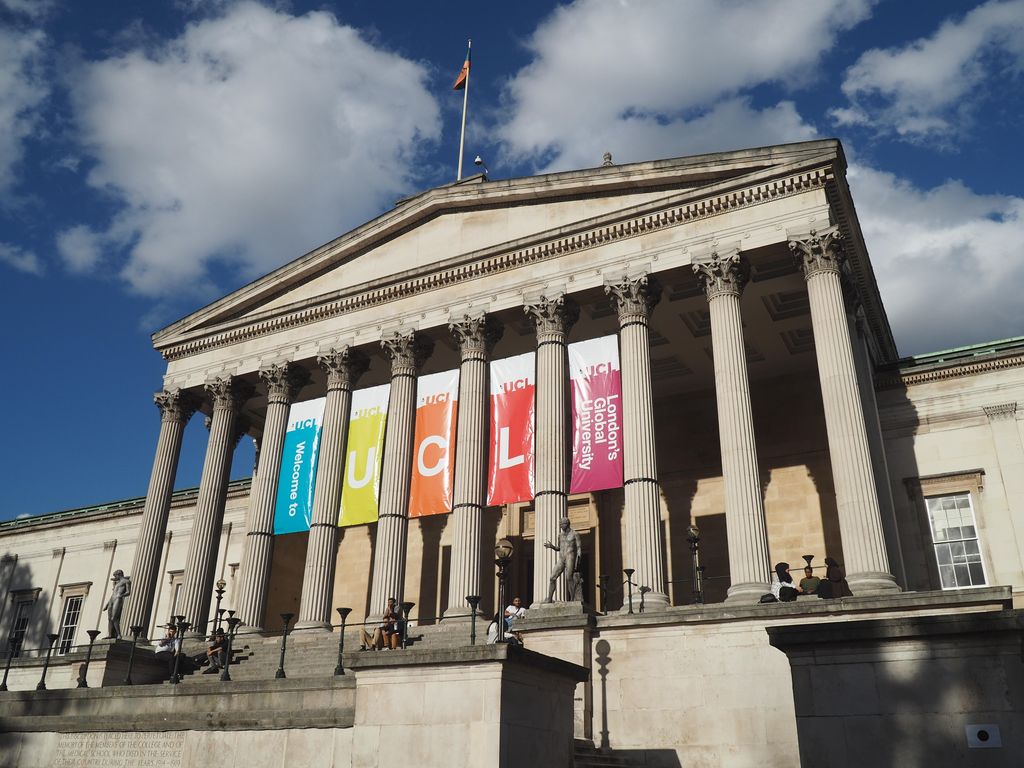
(597, 414)
(513, 384)
(430, 492)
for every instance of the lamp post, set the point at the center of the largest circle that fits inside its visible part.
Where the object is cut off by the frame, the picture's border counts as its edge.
(7, 666)
(219, 592)
(83, 681)
(602, 589)
(693, 539)
(286, 618)
(474, 603)
(343, 613)
(406, 608)
(233, 623)
(182, 628)
(629, 581)
(41, 686)
(136, 631)
(220, 617)
(502, 558)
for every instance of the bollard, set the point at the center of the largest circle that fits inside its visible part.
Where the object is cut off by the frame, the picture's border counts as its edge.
(83, 681)
(136, 631)
(46, 665)
(286, 618)
(474, 603)
(343, 613)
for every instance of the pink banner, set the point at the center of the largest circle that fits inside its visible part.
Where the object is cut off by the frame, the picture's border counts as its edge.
(597, 414)
(510, 477)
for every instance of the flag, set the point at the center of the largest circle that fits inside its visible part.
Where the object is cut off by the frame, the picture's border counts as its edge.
(460, 81)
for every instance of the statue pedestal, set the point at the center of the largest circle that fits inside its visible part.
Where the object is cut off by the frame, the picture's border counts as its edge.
(558, 610)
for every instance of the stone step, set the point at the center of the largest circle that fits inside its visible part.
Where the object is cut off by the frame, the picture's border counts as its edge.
(586, 755)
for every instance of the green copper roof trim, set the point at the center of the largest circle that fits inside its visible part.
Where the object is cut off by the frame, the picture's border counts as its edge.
(956, 353)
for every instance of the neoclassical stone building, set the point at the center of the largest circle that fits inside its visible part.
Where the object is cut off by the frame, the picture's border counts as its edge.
(763, 400)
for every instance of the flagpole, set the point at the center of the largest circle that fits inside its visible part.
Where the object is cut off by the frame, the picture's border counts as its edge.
(465, 103)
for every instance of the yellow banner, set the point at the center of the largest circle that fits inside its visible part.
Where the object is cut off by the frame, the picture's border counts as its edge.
(360, 493)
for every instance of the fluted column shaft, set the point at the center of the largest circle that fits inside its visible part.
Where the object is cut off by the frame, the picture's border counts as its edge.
(343, 367)
(176, 408)
(407, 351)
(635, 298)
(552, 316)
(724, 276)
(477, 336)
(228, 397)
(283, 383)
(860, 523)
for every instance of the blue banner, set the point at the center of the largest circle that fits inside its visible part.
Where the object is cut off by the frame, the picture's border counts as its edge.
(298, 467)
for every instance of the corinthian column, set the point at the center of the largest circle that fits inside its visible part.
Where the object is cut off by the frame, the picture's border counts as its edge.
(723, 277)
(226, 428)
(408, 351)
(176, 408)
(860, 522)
(283, 383)
(477, 337)
(635, 298)
(552, 316)
(343, 367)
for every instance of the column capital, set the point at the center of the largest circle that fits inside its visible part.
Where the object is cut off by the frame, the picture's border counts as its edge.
(407, 350)
(476, 335)
(343, 366)
(228, 392)
(818, 251)
(552, 316)
(722, 274)
(176, 405)
(635, 297)
(283, 381)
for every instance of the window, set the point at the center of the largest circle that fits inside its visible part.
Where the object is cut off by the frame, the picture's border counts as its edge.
(955, 538)
(22, 613)
(69, 624)
(177, 582)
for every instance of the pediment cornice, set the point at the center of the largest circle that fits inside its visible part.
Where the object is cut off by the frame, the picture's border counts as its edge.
(672, 211)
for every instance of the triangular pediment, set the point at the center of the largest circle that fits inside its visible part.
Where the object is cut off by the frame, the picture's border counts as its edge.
(459, 222)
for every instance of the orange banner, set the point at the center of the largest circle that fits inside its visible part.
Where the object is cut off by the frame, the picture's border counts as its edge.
(430, 492)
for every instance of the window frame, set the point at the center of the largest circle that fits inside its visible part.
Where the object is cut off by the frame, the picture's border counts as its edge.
(69, 592)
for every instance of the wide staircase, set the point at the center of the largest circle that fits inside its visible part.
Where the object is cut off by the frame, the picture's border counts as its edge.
(315, 653)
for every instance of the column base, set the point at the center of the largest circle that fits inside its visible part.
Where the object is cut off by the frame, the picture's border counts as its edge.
(872, 582)
(307, 625)
(747, 592)
(461, 612)
(653, 603)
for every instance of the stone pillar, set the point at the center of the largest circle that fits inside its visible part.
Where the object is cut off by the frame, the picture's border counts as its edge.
(876, 441)
(176, 408)
(635, 298)
(226, 428)
(343, 367)
(408, 351)
(860, 522)
(552, 316)
(477, 336)
(283, 383)
(724, 275)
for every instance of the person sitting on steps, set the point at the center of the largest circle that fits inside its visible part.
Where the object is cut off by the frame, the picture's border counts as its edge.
(388, 633)
(216, 653)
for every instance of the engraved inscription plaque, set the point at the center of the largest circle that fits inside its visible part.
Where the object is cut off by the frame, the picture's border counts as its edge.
(119, 750)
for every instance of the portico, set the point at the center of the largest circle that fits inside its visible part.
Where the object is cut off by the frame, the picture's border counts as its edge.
(723, 278)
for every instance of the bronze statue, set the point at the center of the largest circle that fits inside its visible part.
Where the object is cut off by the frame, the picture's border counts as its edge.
(122, 588)
(569, 550)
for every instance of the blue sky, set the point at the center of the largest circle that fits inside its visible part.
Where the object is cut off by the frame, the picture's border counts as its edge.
(156, 155)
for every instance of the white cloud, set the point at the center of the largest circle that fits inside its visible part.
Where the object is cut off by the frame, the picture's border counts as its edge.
(23, 88)
(929, 88)
(32, 9)
(20, 259)
(647, 78)
(252, 137)
(949, 261)
(80, 248)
